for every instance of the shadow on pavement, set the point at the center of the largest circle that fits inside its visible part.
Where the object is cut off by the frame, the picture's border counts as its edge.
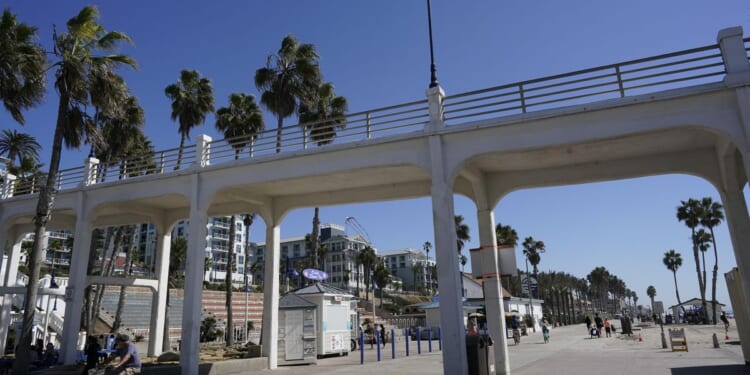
(714, 370)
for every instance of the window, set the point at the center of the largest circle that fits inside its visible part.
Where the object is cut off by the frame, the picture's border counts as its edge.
(238, 248)
(259, 251)
(240, 260)
(180, 232)
(296, 253)
(296, 247)
(238, 237)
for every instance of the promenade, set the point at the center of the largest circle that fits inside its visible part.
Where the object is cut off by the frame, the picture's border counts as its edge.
(570, 351)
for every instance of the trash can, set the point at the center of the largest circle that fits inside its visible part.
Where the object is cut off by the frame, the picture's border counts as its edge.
(479, 355)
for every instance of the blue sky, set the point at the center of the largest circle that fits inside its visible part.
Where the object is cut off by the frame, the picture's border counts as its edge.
(376, 54)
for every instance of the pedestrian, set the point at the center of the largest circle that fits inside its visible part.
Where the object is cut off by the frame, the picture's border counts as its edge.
(607, 328)
(128, 362)
(382, 335)
(545, 332)
(599, 323)
(724, 319)
(588, 323)
(472, 331)
(92, 354)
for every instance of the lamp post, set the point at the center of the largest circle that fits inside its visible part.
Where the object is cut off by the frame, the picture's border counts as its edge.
(433, 70)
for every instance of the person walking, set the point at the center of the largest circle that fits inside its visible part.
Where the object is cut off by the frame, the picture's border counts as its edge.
(607, 328)
(599, 324)
(382, 335)
(588, 323)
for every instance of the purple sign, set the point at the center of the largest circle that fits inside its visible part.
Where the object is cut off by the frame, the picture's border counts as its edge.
(314, 274)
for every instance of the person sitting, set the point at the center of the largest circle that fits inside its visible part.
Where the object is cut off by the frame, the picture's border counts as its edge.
(128, 360)
(50, 355)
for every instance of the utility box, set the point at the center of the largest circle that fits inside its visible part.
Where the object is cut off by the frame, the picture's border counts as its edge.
(297, 331)
(479, 356)
(335, 308)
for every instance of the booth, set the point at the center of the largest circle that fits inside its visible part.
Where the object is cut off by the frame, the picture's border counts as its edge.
(335, 308)
(297, 331)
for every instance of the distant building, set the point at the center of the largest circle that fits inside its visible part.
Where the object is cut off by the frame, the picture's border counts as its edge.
(413, 267)
(339, 260)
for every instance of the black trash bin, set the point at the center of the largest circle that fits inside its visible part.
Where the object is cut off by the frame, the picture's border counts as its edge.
(479, 355)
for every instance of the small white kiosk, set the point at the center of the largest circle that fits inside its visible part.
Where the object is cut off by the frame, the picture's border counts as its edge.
(297, 333)
(334, 317)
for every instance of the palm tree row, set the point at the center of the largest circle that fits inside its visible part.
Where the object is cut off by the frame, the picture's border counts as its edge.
(707, 214)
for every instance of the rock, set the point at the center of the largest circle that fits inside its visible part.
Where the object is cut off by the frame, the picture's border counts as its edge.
(168, 357)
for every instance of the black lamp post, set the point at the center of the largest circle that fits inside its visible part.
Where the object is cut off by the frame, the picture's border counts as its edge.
(53, 284)
(433, 70)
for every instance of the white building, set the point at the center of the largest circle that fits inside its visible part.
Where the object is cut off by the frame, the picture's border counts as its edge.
(415, 270)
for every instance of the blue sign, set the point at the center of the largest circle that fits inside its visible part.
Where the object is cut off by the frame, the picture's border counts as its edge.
(314, 274)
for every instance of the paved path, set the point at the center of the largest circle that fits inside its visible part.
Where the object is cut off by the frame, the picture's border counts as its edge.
(570, 351)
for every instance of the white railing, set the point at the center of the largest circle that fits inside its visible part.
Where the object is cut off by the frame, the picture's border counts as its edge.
(663, 72)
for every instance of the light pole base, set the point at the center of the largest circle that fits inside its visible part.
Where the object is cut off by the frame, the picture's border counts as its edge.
(663, 341)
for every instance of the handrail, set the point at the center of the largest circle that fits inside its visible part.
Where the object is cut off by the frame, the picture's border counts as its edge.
(634, 77)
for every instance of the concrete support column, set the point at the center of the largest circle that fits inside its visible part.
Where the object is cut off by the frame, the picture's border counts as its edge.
(446, 254)
(738, 222)
(11, 272)
(271, 294)
(76, 288)
(192, 305)
(156, 328)
(493, 291)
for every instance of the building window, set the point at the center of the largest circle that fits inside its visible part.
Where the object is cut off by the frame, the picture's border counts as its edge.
(240, 260)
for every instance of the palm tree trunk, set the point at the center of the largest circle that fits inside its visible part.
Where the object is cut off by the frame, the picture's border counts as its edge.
(107, 271)
(41, 217)
(228, 282)
(713, 280)
(121, 299)
(701, 286)
(677, 291)
(703, 291)
(179, 152)
(314, 238)
(165, 344)
(279, 126)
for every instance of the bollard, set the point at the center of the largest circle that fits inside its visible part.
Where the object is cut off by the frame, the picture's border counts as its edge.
(429, 337)
(361, 348)
(440, 340)
(419, 341)
(393, 343)
(716, 341)
(407, 336)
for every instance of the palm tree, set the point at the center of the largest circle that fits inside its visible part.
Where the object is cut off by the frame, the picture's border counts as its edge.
(427, 246)
(702, 240)
(177, 257)
(321, 113)
(673, 261)
(690, 213)
(240, 122)
(368, 260)
(506, 235)
(122, 134)
(192, 99)
(713, 215)
(22, 66)
(462, 232)
(533, 249)
(18, 146)
(77, 52)
(287, 80)
(415, 268)
(381, 277)
(651, 293)
(599, 280)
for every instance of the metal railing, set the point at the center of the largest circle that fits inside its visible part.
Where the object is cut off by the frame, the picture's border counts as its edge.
(648, 75)
(657, 73)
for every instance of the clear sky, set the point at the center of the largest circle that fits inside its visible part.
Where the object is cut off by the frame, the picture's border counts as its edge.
(376, 54)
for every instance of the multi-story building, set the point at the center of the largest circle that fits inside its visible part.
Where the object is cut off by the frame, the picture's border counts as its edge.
(413, 267)
(57, 250)
(339, 260)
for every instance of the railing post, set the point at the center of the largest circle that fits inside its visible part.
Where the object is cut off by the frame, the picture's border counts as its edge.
(161, 162)
(9, 184)
(619, 81)
(733, 52)
(203, 151)
(368, 130)
(523, 98)
(435, 97)
(92, 169)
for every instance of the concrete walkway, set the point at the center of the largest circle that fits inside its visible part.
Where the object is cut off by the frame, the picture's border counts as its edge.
(570, 351)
